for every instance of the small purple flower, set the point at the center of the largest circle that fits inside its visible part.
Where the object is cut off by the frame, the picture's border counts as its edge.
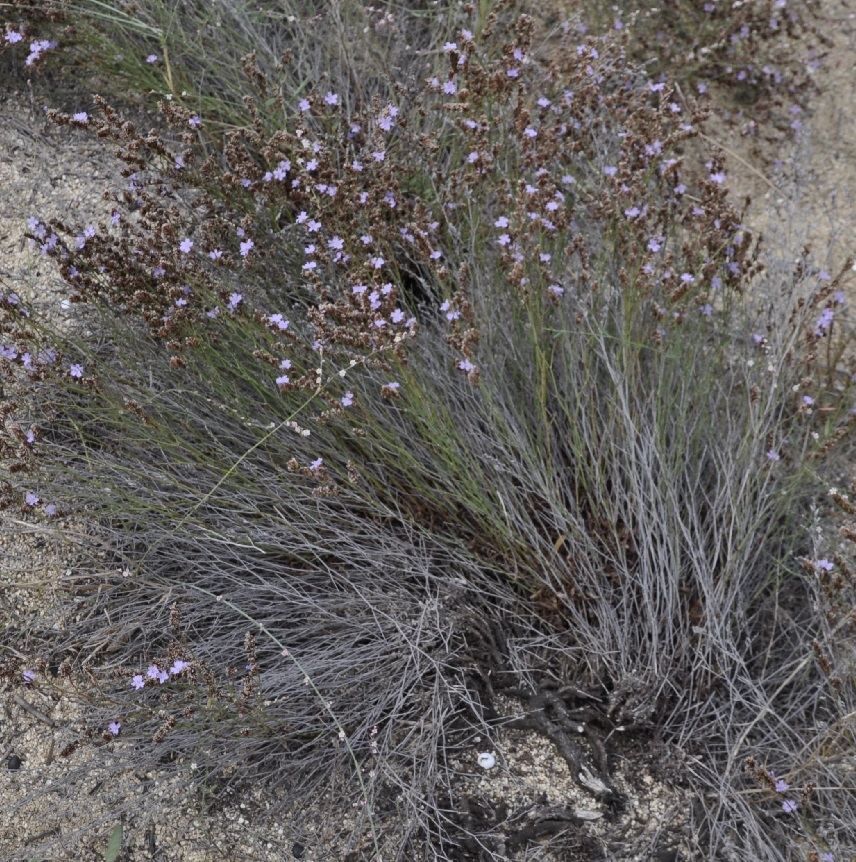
(304, 105)
(216, 254)
(718, 177)
(246, 246)
(50, 509)
(773, 455)
(313, 226)
(782, 786)
(152, 671)
(316, 464)
(194, 122)
(450, 46)
(379, 155)
(179, 162)
(347, 399)
(530, 132)
(502, 221)
(29, 676)
(504, 239)
(449, 88)
(331, 99)
(114, 727)
(178, 666)
(81, 117)
(789, 806)
(186, 245)
(610, 170)
(283, 380)
(152, 58)
(31, 499)
(13, 37)
(633, 212)
(825, 565)
(466, 365)
(234, 300)
(162, 676)
(76, 371)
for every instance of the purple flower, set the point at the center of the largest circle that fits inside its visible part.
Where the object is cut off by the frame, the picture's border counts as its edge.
(610, 170)
(194, 122)
(186, 245)
(304, 105)
(13, 36)
(152, 58)
(347, 399)
(152, 671)
(773, 455)
(316, 464)
(502, 221)
(379, 155)
(76, 371)
(782, 786)
(449, 88)
(162, 676)
(29, 676)
(530, 132)
(718, 178)
(466, 365)
(331, 99)
(216, 254)
(633, 212)
(283, 380)
(50, 509)
(313, 226)
(246, 246)
(31, 499)
(789, 806)
(81, 117)
(556, 290)
(114, 727)
(450, 46)
(504, 239)
(178, 666)
(825, 565)
(234, 299)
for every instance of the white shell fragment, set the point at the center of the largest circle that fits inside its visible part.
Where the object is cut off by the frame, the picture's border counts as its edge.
(487, 760)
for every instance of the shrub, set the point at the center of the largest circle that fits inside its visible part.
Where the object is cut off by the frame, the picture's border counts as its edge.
(414, 397)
